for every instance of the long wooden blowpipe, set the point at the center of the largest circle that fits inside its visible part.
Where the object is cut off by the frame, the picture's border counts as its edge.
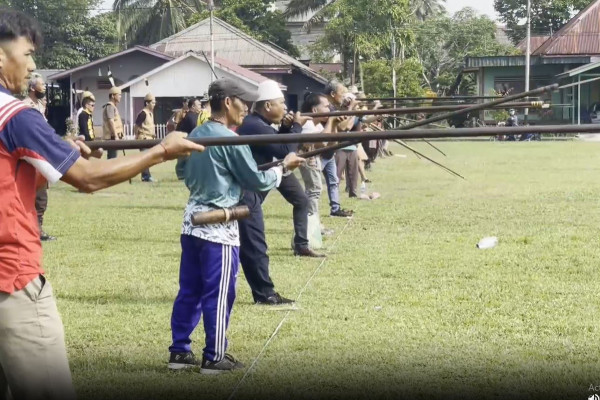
(427, 110)
(311, 138)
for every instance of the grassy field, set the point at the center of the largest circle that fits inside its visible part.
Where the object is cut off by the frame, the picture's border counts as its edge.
(405, 306)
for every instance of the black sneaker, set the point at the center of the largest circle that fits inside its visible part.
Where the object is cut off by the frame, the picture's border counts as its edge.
(44, 237)
(275, 300)
(341, 213)
(227, 364)
(179, 361)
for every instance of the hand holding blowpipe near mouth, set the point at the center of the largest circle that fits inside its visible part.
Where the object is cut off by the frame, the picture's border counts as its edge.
(424, 122)
(428, 110)
(304, 138)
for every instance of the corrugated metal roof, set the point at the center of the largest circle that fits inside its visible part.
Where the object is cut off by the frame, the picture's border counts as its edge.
(230, 44)
(536, 41)
(517, 61)
(335, 68)
(579, 70)
(46, 73)
(242, 72)
(143, 49)
(580, 36)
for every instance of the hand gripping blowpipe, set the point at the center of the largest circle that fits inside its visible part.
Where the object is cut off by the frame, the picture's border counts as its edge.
(221, 215)
(352, 138)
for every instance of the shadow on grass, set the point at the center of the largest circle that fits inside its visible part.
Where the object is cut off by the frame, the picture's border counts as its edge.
(132, 207)
(116, 298)
(154, 381)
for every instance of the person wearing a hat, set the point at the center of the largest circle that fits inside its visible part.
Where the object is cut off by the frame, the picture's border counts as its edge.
(85, 95)
(210, 253)
(204, 110)
(270, 109)
(36, 93)
(85, 121)
(112, 125)
(144, 128)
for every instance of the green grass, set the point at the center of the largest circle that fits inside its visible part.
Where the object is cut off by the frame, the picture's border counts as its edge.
(404, 306)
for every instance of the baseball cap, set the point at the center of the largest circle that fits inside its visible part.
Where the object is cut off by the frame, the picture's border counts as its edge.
(269, 90)
(87, 94)
(229, 88)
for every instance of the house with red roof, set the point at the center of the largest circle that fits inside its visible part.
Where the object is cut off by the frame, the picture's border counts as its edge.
(138, 71)
(570, 57)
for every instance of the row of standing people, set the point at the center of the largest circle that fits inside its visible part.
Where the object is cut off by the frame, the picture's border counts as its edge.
(226, 176)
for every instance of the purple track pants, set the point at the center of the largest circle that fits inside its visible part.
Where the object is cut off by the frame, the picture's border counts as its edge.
(207, 276)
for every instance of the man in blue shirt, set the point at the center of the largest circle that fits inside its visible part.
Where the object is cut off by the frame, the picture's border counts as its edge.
(209, 253)
(270, 109)
(33, 356)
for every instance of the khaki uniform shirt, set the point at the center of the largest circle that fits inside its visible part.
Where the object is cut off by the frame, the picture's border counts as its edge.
(111, 112)
(38, 105)
(145, 130)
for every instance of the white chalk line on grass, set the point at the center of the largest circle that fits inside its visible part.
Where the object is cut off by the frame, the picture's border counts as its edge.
(268, 342)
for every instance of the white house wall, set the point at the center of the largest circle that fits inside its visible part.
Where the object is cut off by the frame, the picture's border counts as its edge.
(124, 69)
(187, 78)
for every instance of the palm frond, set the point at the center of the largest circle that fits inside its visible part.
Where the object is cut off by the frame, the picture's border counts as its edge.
(147, 21)
(301, 7)
(319, 16)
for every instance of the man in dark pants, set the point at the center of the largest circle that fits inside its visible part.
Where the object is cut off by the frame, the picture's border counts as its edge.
(270, 109)
(37, 91)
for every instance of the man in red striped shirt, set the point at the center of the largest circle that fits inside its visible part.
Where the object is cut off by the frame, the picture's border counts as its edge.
(33, 359)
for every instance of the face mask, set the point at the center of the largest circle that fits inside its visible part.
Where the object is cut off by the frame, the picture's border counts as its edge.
(40, 95)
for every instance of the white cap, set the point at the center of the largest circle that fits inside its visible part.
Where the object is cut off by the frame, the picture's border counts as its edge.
(269, 90)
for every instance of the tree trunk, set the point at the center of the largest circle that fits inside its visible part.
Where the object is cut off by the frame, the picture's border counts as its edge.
(353, 78)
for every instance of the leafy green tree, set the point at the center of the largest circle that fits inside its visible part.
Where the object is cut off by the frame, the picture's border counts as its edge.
(256, 18)
(546, 15)
(423, 9)
(71, 36)
(148, 21)
(442, 44)
(420, 9)
(363, 28)
(378, 78)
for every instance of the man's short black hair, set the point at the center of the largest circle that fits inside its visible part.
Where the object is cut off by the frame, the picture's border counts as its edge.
(15, 24)
(87, 101)
(311, 100)
(192, 101)
(260, 105)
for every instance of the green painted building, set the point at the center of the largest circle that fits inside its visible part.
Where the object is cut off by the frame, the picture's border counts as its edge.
(570, 57)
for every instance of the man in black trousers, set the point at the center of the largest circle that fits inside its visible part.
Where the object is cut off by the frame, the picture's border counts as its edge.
(270, 109)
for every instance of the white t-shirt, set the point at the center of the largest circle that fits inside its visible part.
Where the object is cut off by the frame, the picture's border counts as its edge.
(310, 127)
